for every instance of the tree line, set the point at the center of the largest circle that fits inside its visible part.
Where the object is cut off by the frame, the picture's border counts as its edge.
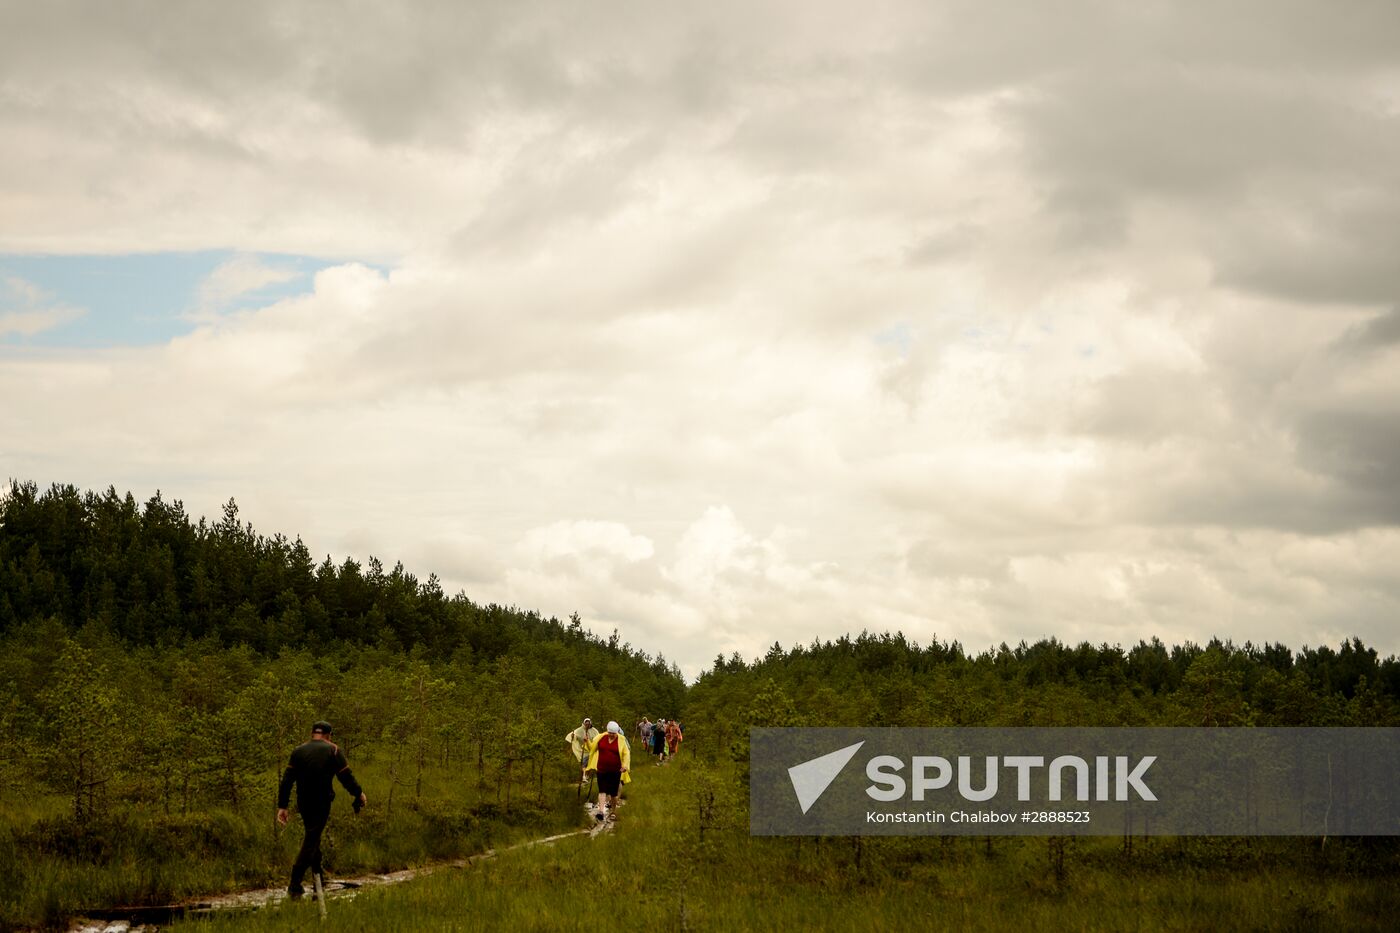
(152, 575)
(888, 680)
(153, 661)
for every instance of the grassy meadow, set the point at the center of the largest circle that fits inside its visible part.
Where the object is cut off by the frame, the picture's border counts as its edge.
(681, 859)
(54, 867)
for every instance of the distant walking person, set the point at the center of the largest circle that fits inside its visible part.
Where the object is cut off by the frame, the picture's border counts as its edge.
(580, 741)
(611, 759)
(658, 740)
(673, 737)
(312, 767)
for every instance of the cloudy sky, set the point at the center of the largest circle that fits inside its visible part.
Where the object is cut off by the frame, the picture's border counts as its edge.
(730, 323)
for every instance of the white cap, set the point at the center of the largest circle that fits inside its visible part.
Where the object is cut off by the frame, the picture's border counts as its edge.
(613, 727)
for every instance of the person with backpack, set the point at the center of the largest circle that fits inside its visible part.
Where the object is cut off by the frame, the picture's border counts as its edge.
(312, 768)
(610, 758)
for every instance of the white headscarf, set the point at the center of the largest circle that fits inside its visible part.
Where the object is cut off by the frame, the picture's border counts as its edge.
(614, 728)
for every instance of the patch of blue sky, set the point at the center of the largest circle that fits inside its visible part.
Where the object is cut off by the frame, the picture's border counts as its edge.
(137, 299)
(900, 337)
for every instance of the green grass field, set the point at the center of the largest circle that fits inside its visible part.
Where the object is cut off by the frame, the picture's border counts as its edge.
(659, 870)
(53, 867)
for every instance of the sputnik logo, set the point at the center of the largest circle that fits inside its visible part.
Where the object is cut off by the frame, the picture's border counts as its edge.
(811, 778)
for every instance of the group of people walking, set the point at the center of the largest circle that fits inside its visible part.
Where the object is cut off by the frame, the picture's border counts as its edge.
(607, 756)
(316, 764)
(662, 738)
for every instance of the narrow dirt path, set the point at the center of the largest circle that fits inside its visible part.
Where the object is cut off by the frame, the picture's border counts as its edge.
(134, 919)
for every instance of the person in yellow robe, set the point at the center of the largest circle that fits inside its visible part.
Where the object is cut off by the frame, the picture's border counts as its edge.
(610, 758)
(580, 741)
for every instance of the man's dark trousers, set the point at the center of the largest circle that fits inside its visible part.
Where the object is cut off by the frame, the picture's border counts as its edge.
(310, 854)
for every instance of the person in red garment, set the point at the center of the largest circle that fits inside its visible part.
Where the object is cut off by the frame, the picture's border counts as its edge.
(611, 759)
(673, 738)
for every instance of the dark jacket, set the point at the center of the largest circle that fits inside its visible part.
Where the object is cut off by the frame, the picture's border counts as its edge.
(311, 768)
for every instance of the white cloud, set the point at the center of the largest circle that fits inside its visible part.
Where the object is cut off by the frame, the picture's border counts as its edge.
(26, 309)
(606, 541)
(1130, 266)
(238, 277)
(29, 323)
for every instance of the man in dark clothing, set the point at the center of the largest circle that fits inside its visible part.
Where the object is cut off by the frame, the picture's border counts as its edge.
(311, 769)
